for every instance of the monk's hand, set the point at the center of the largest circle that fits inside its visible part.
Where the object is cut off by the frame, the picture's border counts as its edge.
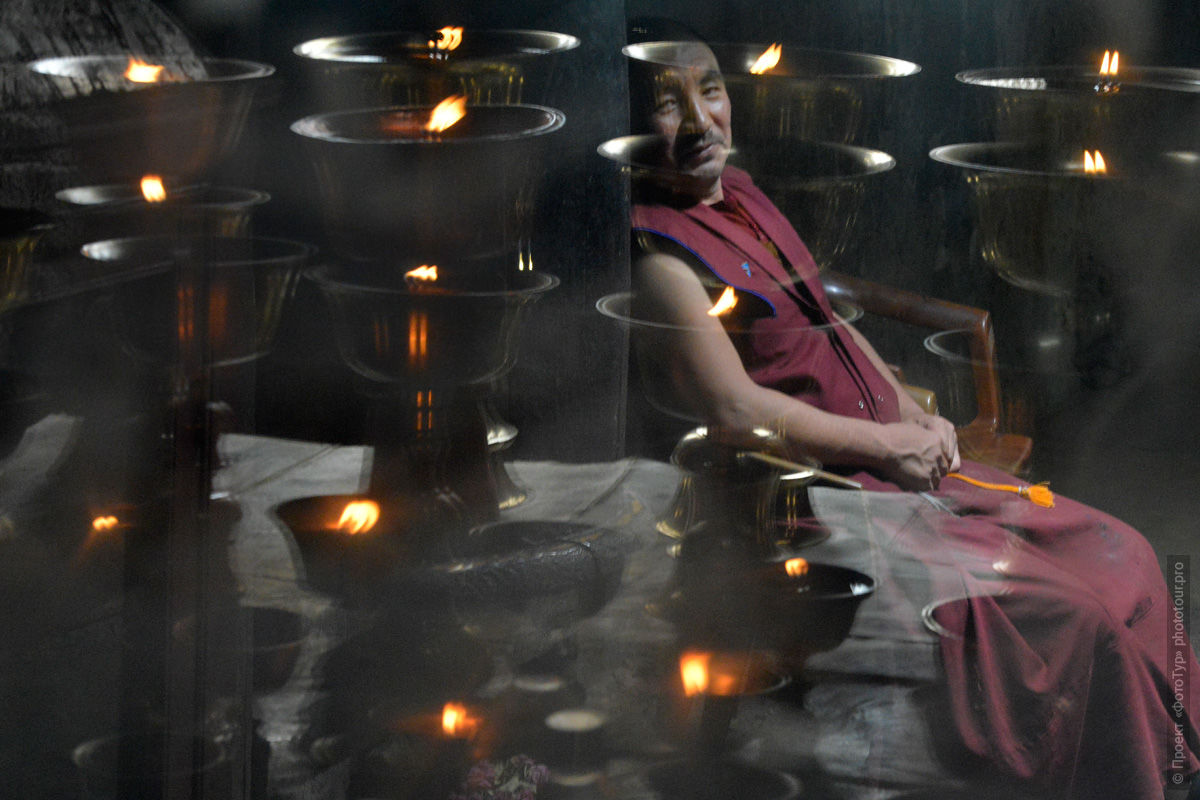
(917, 457)
(944, 428)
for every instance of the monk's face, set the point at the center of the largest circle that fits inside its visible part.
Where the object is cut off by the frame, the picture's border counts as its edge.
(691, 111)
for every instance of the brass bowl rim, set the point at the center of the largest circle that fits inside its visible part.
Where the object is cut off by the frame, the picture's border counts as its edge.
(540, 282)
(164, 250)
(966, 155)
(1081, 79)
(310, 126)
(52, 67)
(318, 49)
(615, 306)
(102, 196)
(659, 53)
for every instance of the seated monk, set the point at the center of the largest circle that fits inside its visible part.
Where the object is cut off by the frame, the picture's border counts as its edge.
(1062, 679)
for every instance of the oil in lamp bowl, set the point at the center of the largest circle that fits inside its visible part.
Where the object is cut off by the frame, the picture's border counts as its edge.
(460, 330)
(182, 124)
(248, 281)
(819, 606)
(336, 560)
(388, 185)
(1062, 104)
(766, 607)
(811, 93)
(368, 70)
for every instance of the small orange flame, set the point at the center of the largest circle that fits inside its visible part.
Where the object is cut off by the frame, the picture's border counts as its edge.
(457, 722)
(153, 189)
(693, 671)
(1093, 162)
(105, 523)
(358, 516)
(724, 303)
(768, 60)
(795, 567)
(449, 38)
(1110, 63)
(446, 113)
(425, 272)
(139, 71)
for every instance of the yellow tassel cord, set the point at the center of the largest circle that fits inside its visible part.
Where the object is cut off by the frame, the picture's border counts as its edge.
(1039, 494)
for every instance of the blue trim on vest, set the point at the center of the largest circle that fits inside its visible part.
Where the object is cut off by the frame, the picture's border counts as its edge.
(774, 310)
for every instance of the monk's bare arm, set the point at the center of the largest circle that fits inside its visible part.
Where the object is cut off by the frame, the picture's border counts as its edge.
(704, 371)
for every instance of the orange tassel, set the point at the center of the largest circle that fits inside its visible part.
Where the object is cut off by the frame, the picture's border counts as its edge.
(1039, 493)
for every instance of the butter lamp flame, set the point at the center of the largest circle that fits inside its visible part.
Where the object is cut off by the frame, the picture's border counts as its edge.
(693, 671)
(153, 189)
(725, 302)
(1110, 63)
(358, 516)
(1093, 162)
(456, 722)
(448, 38)
(104, 523)
(447, 113)
(423, 273)
(795, 567)
(768, 60)
(139, 71)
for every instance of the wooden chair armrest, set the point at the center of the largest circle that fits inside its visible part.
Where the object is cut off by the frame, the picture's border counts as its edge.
(925, 398)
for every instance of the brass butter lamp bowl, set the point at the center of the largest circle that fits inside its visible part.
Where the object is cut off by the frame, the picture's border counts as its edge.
(389, 186)
(182, 122)
(819, 186)
(498, 67)
(1057, 105)
(809, 93)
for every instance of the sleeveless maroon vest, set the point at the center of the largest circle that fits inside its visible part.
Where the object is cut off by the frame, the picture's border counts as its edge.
(787, 339)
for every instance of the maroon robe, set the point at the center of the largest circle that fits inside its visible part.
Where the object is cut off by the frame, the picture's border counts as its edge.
(1061, 666)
